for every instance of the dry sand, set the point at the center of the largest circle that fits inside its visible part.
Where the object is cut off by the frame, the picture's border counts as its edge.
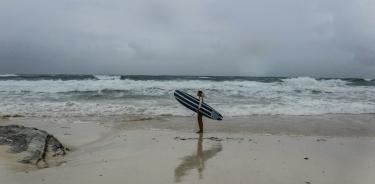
(260, 149)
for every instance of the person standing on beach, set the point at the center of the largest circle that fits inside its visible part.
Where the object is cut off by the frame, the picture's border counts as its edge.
(200, 95)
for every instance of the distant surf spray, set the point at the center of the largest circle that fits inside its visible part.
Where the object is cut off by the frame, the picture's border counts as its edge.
(96, 95)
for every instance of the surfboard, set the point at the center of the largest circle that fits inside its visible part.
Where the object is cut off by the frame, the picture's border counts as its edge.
(192, 103)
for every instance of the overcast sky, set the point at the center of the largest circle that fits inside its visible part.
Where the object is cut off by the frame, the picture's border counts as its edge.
(319, 38)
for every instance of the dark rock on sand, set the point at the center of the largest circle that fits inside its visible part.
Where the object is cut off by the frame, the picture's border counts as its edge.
(36, 144)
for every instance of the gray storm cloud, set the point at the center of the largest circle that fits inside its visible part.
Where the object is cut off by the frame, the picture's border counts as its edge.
(213, 37)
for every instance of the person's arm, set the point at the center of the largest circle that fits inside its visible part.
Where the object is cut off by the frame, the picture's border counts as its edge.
(200, 102)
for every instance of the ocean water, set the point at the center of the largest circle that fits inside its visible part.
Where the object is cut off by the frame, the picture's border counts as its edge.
(105, 95)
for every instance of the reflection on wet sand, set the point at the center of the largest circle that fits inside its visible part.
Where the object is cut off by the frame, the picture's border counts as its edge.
(196, 160)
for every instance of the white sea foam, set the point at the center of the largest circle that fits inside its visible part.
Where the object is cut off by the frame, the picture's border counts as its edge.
(111, 96)
(108, 77)
(306, 82)
(8, 75)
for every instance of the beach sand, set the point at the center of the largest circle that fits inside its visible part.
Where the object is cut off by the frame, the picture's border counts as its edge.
(326, 149)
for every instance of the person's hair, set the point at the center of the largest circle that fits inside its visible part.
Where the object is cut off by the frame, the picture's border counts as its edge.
(200, 92)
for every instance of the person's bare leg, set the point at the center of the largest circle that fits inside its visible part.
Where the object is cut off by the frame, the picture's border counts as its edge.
(200, 123)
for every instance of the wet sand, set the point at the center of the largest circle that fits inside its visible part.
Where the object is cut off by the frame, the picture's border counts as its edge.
(301, 150)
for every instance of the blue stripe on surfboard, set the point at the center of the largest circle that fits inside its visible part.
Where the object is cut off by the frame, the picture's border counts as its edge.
(194, 100)
(185, 104)
(192, 103)
(194, 107)
(190, 107)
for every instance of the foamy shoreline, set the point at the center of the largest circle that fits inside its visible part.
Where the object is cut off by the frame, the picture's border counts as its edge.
(257, 149)
(89, 95)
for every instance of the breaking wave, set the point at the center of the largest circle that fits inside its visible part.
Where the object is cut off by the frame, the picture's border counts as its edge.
(82, 95)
